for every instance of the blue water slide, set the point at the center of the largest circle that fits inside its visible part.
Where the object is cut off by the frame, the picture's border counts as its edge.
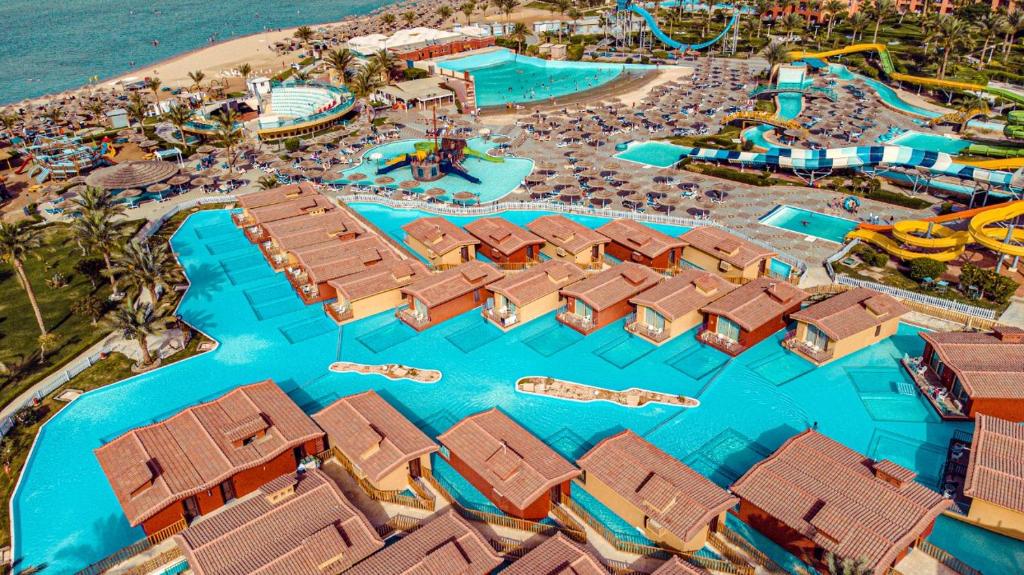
(665, 39)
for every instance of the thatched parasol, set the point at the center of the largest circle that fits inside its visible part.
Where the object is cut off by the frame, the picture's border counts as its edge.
(409, 185)
(205, 149)
(355, 177)
(131, 193)
(132, 174)
(384, 180)
(158, 188)
(464, 197)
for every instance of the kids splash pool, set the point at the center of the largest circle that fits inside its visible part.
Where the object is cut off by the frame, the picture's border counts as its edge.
(65, 514)
(809, 223)
(504, 77)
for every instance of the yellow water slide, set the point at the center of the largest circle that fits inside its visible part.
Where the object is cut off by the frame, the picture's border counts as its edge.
(1007, 164)
(1003, 240)
(896, 249)
(887, 66)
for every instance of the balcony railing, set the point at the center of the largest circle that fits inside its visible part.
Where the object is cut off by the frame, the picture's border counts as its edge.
(243, 219)
(412, 318)
(643, 330)
(339, 312)
(932, 388)
(815, 354)
(502, 317)
(583, 324)
(720, 342)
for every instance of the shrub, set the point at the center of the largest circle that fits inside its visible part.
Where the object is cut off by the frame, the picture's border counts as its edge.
(872, 257)
(998, 287)
(415, 73)
(292, 144)
(945, 208)
(921, 268)
(574, 52)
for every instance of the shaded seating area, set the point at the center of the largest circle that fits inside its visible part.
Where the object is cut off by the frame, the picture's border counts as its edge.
(673, 307)
(749, 314)
(604, 297)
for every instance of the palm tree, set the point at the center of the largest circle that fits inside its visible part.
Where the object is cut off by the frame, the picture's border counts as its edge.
(858, 23)
(154, 86)
(574, 16)
(467, 9)
(507, 6)
(179, 115)
(793, 23)
(1014, 25)
(408, 17)
(304, 34)
(197, 78)
(839, 566)
(17, 240)
(518, 35)
(776, 53)
(229, 134)
(97, 231)
(989, 28)
(833, 8)
(137, 109)
(388, 19)
(563, 7)
(385, 63)
(96, 109)
(245, 70)
(302, 75)
(46, 342)
(137, 322)
(879, 11)
(365, 82)
(93, 199)
(267, 182)
(953, 32)
(340, 61)
(54, 115)
(445, 12)
(89, 306)
(145, 266)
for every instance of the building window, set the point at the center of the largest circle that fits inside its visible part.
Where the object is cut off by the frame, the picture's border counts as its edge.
(815, 338)
(878, 330)
(727, 328)
(654, 319)
(584, 310)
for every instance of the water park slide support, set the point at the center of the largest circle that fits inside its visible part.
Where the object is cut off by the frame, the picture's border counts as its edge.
(24, 165)
(997, 238)
(652, 22)
(895, 249)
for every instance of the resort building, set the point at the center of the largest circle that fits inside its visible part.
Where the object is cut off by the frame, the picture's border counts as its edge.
(419, 43)
(567, 240)
(749, 314)
(310, 269)
(297, 523)
(503, 242)
(730, 256)
(440, 242)
(284, 236)
(634, 242)
(308, 206)
(995, 476)
(527, 295)
(273, 196)
(558, 555)
(670, 503)
(977, 372)
(442, 296)
(517, 472)
(604, 297)
(843, 324)
(372, 291)
(199, 459)
(676, 566)
(419, 94)
(377, 443)
(672, 307)
(445, 544)
(815, 496)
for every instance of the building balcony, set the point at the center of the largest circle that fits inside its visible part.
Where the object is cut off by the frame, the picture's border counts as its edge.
(255, 234)
(297, 277)
(309, 293)
(647, 332)
(720, 342)
(243, 219)
(584, 325)
(931, 386)
(340, 312)
(502, 317)
(415, 320)
(815, 354)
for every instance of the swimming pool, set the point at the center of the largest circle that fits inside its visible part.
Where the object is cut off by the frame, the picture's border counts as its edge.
(503, 77)
(811, 223)
(497, 178)
(930, 142)
(65, 513)
(789, 106)
(652, 153)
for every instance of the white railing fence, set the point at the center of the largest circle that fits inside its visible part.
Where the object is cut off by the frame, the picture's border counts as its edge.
(928, 300)
(154, 226)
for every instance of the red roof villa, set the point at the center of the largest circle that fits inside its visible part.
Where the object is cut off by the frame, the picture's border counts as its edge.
(524, 296)
(815, 496)
(373, 290)
(571, 241)
(441, 242)
(503, 242)
(295, 524)
(301, 206)
(517, 472)
(284, 236)
(381, 445)
(670, 503)
(843, 324)
(604, 297)
(442, 296)
(278, 195)
(672, 307)
(749, 314)
(727, 254)
(632, 241)
(194, 462)
(995, 476)
(558, 555)
(315, 266)
(977, 372)
(445, 544)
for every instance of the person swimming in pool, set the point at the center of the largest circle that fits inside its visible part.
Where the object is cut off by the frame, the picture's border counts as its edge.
(805, 223)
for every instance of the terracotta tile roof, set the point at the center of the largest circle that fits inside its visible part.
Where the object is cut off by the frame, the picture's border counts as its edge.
(564, 233)
(831, 495)
(151, 467)
(305, 230)
(687, 291)
(389, 275)
(540, 280)
(290, 526)
(324, 262)
(676, 566)
(851, 312)
(559, 555)
(439, 288)
(639, 238)
(438, 234)
(502, 234)
(520, 467)
(303, 205)
(683, 501)
(756, 303)
(445, 545)
(995, 472)
(727, 247)
(989, 365)
(372, 434)
(277, 195)
(613, 285)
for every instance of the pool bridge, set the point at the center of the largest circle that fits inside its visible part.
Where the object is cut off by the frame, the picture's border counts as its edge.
(794, 88)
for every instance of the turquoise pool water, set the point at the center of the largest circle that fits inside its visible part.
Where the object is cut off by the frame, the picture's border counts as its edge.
(497, 179)
(652, 153)
(789, 107)
(65, 514)
(807, 222)
(503, 77)
(930, 142)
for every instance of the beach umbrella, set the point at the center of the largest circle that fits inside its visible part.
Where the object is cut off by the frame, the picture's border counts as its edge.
(409, 184)
(309, 165)
(158, 188)
(534, 179)
(434, 193)
(356, 177)
(636, 198)
(204, 149)
(540, 191)
(603, 195)
(131, 193)
(566, 180)
(670, 203)
(384, 180)
(202, 182)
(179, 180)
(464, 197)
(132, 174)
(331, 176)
(148, 144)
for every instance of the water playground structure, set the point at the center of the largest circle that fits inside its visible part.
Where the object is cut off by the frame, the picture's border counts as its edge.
(436, 159)
(62, 157)
(623, 9)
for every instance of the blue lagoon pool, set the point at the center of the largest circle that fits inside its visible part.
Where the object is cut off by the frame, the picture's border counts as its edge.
(810, 223)
(931, 142)
(652, 153)
(65, 514)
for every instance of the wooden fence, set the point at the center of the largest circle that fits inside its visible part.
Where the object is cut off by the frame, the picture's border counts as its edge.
(731, 537)
(134, 549)
(944, 557)
(172, 555)
(396, 497)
